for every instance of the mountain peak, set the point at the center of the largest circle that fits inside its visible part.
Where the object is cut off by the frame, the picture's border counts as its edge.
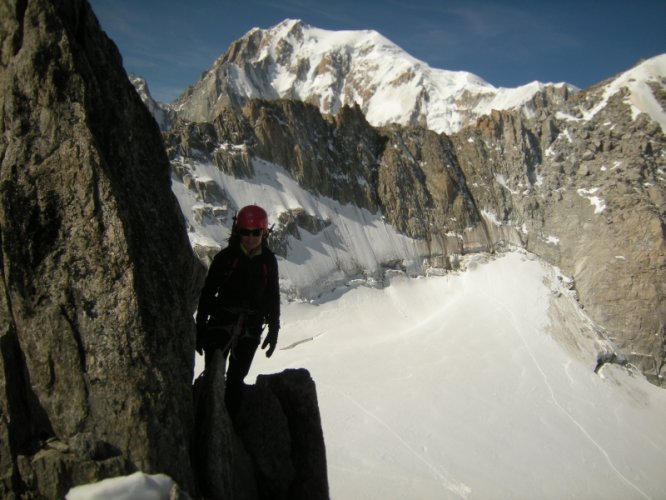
(289, 24)
(332, 69)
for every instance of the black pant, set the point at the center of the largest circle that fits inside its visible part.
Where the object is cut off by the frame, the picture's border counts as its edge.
(238, 353)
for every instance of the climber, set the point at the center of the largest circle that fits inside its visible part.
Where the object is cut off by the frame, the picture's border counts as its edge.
(240, 295)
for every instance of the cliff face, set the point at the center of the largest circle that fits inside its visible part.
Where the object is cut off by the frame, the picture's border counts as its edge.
(588, 196)
(98, 277)
(326, 156)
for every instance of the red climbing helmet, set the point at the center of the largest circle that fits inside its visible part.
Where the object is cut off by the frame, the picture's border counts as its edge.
(253, 217)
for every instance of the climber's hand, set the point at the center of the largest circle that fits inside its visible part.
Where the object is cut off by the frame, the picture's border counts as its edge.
(271, 342)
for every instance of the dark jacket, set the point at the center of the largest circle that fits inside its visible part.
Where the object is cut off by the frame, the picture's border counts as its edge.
(237, 281)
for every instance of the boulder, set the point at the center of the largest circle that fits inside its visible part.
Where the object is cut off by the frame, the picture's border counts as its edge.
(274, 447)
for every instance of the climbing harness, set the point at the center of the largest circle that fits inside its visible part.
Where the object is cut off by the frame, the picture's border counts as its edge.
(236, 329)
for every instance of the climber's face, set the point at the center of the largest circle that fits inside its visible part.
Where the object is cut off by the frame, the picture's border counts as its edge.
(250, 238)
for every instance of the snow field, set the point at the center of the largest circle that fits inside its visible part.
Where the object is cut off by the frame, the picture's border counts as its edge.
(452, 387)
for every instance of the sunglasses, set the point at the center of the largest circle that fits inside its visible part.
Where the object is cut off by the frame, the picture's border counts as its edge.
(247, 232)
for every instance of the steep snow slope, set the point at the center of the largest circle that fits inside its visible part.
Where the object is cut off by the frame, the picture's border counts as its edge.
(357, 243)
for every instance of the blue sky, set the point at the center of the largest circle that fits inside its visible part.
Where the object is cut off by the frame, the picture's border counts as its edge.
(507, 43)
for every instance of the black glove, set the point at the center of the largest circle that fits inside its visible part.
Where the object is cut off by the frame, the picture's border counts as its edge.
(271, 342)
(201, 337)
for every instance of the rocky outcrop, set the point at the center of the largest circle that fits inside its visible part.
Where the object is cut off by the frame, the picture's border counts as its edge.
(275, 446)
(297, 396)
(83, 303)
(410, 174)
(98, 277)
(213, 442)
(330, 156)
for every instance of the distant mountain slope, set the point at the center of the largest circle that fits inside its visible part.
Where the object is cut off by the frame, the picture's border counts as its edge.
(577, 178)
(335, 68)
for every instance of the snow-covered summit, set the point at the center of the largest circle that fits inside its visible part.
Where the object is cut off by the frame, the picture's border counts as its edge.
(336, 68)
